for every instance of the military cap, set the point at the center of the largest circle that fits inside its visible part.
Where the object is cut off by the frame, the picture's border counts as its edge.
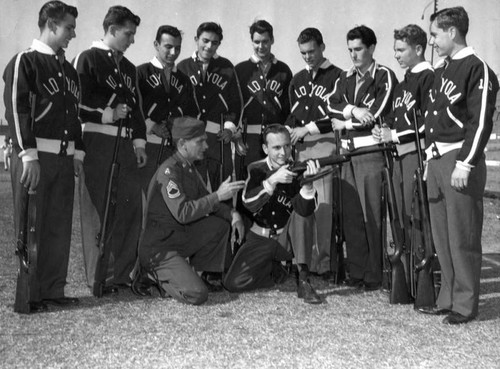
(187, 128)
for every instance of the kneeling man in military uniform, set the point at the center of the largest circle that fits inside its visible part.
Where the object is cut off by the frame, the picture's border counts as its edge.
(282, 226)
(186, 229)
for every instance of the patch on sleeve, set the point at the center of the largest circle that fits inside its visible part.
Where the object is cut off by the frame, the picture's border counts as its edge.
(173, 190)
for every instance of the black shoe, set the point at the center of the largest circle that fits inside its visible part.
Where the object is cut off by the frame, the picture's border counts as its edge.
(353, 282)
(141, 285)
(279, 273)
(38, 307)
(433, 310)
(307, 293)
(211, 286)
(110, 290)
(62, 301)
(369, 287)
(457, 318)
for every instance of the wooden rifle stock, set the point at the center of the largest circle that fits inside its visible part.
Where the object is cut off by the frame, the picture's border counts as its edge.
(399, 293)
(425, 293)
(27, 246)
(221, 171)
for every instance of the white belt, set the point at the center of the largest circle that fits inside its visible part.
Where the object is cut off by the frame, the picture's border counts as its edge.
(212, 127)
(105, 129)
(357, 142)
(438, 149)
(264, 232)
(254, 129)
(408, 147)
(54, 146)
(153, 139)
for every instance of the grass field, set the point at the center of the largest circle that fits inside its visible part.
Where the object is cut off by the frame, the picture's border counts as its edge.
(265, 329)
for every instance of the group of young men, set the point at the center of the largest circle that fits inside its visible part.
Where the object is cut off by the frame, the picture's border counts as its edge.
(199, 133)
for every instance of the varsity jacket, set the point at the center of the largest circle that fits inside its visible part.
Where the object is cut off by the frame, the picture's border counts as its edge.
(157, 104)
(40, 71)
(309, 96)
(179, 186)
(105, 84)
(411, 93)
(215, 94)
(375, 94)
(265, 97)
(271, 207)
(461, 108)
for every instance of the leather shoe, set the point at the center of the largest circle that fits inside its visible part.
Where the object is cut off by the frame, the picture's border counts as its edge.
(62, 301)
(353, 282)
(38, 307)
(457, 318)
(141, 285)
(307, 293)
(212, 287)
(368, 287)
(433, 310)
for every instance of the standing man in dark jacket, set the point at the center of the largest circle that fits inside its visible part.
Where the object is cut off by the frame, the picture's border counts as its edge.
(110, 93)
(459, 120)
(217, 93)
(309, 92)
(264, 82)
(48, 149)
(364, 94)
(166, 93)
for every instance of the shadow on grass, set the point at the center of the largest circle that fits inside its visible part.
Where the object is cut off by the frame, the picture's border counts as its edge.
(489, 298)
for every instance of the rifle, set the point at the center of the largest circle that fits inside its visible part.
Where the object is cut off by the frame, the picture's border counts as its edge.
(337, 247)
(108, 214)
(398, 288)
(221, 173)
(423, 280)
(27, 246)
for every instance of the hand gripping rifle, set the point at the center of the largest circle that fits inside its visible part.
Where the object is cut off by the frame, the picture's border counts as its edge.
(27, 247)
(423, 281)
(399, 293)
(108, 214)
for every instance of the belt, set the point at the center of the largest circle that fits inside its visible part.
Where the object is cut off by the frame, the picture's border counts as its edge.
(154, 139)
(254, 129)
(265, 232)
(438, 149)
(54, 146)
(212, 127)
(357, 142)
(408, 147)
(105, 129)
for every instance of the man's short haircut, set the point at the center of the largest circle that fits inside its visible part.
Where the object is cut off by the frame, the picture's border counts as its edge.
(364, 33)
(169, 30)
(210, 27)
(310, 34)
(119, 15)
(452, 17)
(55, 10)
(261, 27)
(275, 128)
(413, 35)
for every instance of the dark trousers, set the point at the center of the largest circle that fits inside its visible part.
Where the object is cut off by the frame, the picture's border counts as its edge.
(164, 251)
(54, 215)
(252, 264)
(456, 222)
(361, 192)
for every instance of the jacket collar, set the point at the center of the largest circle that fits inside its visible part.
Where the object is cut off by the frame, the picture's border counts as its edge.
(372, 69)
(157, 63)
(42, 47)
(325, 65)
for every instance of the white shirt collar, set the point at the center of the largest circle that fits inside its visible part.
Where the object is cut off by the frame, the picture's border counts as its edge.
(42, 47)
(466, 51)
(255, 59)
(421, 67)
(326, 64)
(195, 56)
(157, 63)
